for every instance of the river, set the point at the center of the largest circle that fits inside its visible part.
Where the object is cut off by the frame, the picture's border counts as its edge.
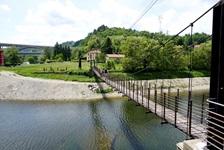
(66, 125)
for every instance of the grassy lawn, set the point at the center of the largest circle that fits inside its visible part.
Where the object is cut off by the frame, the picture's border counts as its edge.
(69, 71)
(163, 75)
(55, 71)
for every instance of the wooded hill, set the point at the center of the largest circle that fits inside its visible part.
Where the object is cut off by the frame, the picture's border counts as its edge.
(96, 39)
(143, 49)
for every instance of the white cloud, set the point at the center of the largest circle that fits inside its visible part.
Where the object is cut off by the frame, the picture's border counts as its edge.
(61, 21)
(5, 7)
(176, 15)
(56, 20)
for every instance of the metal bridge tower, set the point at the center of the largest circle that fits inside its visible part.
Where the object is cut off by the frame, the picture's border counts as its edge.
(215, 117)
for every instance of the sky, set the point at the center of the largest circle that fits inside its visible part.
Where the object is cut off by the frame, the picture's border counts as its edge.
(45, 22)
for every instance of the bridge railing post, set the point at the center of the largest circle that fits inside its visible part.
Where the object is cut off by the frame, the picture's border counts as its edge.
(120, 83)
(168, 98)
(176, 110)
(190, 117)
(133, 91)
(137, 93)
(117, 82)
(149, 94)
(142, 95)
(148, 99)
(155, 98)
(202, 108)
(164, 106)
(125, 85)
(161, 94)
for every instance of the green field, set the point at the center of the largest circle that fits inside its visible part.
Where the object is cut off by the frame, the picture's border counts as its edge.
(67, 71)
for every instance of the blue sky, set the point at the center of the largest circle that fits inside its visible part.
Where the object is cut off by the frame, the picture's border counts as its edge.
(45, 22)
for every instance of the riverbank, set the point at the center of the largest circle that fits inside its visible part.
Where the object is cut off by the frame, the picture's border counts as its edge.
(16, 87)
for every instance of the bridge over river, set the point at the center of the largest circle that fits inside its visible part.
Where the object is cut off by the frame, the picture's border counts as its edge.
(188, 117)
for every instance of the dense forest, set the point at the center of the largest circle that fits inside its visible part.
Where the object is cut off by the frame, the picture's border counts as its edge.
(145, 50)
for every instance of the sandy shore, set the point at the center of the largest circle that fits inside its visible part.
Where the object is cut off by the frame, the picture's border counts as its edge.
(16, 87)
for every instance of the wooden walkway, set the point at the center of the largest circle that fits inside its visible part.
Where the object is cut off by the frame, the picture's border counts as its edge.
(184, 122)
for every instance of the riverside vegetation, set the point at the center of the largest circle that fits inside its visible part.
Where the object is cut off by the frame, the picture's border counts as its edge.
(69, 71)
(143, 51)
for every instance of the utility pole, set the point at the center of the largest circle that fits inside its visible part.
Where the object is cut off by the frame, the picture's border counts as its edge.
(160, 23)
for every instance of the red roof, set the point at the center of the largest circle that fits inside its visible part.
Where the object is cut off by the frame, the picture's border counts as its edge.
(94, 52)
(115, 56)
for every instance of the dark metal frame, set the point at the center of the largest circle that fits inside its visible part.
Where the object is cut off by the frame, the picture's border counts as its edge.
(217, 72)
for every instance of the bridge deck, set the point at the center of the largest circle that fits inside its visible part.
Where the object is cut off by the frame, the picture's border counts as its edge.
(198, 130)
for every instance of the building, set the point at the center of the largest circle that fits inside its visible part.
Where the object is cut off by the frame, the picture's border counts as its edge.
(114, 56)
(1, 58)
(92, 55)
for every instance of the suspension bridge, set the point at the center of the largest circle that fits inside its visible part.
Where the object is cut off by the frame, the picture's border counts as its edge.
(202, 120)
(160, 100)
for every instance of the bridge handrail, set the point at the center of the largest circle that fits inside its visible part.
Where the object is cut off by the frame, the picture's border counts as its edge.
(213, 127)
(209, 101)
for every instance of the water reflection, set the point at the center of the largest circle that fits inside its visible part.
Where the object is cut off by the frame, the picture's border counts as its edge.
(105, 124)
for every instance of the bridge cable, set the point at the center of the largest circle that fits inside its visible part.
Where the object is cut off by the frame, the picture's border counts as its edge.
(151, 4)
(173, 37)
(144, 12)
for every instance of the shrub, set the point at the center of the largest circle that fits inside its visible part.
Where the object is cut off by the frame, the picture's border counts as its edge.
(59, 59)
(109, 90)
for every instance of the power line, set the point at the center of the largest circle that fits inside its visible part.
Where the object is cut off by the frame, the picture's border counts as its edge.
(144, 12)
(173, 37)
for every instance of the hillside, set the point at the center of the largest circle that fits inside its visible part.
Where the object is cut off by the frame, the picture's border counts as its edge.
(97, 38)
(145, 50)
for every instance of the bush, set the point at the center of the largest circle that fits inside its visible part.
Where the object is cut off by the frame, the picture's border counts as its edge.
(59, 59)
(110, 65)
(49, 61)
(109, 90)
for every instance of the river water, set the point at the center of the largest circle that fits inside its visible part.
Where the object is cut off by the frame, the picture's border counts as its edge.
(100, 124)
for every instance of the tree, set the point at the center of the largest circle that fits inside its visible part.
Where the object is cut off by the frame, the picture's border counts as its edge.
(59, 57)
(11, 56)
(56, 49)
(107, 47)
(131, 49)
(100, 58)
(47, 53)
(138, 53)
(202, 57)
(68, 53)
(31, 59)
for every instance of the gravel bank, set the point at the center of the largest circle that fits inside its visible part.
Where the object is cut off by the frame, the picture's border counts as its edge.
(16, 87)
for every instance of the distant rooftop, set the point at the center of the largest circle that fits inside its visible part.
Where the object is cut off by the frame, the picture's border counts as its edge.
(115, 55)
(94, 52)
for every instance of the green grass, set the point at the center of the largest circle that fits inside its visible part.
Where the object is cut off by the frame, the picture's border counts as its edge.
(164, 75)
(71, 72)
(37, 71)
